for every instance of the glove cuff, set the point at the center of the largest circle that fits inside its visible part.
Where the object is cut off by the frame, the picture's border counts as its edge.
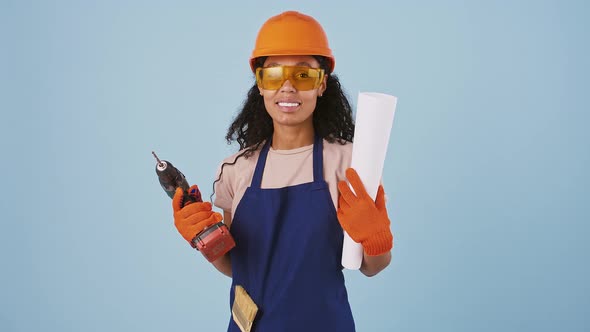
(379, 243)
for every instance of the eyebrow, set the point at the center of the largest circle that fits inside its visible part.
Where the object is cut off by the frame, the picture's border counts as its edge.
(299, 64)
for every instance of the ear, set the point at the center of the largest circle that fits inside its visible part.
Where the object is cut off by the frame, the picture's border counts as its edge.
(323, 86)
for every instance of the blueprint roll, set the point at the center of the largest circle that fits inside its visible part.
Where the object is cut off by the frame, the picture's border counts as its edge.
(373, 122)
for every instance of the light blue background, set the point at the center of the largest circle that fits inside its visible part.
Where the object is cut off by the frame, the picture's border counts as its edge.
(487, 167)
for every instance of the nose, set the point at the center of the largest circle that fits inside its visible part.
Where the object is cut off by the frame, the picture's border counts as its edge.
(287, 87)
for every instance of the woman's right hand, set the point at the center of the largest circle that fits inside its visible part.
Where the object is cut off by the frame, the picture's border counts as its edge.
(191, 219)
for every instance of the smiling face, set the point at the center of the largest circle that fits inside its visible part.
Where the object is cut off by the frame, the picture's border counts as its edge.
(287, 106)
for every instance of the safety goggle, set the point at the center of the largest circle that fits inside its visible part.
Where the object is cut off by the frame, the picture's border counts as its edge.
(302, 78)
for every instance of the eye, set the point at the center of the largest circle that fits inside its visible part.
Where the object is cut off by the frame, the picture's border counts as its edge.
(302, 74)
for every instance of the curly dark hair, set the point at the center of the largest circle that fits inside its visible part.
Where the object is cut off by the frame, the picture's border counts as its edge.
(332, 117)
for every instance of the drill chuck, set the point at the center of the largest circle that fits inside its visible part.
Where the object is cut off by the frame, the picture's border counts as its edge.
(170, 177)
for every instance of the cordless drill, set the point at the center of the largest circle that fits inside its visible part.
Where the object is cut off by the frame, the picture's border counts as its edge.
(213, 241)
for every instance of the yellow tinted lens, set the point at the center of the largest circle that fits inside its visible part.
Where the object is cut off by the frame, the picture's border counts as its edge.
(302, 78)
(271, 78)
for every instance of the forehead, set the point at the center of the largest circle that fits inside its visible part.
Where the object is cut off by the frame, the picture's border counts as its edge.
(292, 60)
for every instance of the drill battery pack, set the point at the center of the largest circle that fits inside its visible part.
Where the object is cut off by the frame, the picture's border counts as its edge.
(214, 241)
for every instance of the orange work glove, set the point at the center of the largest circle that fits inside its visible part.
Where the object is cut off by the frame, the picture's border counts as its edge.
(365, 220)
(191, 219)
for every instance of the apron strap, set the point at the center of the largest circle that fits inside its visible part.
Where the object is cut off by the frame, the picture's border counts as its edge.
(318, 160)
(257, 178)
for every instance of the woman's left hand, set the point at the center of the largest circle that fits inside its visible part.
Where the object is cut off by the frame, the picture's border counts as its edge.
(365, 220)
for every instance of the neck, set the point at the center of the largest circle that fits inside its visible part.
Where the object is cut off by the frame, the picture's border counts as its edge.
(288, 138)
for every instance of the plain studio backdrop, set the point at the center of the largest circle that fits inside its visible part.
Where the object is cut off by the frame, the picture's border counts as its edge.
(486, 170)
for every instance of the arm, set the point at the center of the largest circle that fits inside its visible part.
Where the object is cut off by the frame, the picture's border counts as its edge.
(372, 265)
(223, 264)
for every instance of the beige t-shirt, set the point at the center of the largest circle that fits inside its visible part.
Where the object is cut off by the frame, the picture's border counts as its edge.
(283, 168)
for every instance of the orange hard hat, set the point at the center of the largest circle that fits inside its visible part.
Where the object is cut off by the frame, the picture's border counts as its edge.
(292, 33)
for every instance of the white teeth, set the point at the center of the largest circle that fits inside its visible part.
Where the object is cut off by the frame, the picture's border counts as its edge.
(288, 104)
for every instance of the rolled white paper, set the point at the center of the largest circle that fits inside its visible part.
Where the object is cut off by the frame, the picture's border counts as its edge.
(373, 122)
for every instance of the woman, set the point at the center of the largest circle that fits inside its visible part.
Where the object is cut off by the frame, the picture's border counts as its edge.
(280, 192)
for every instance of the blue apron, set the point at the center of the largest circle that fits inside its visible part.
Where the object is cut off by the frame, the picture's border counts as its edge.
(288, 254)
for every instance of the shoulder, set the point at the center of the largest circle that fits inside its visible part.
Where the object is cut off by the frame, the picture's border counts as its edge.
(239, 158)
(234, 174)
(238, 162)
(337, 151)
(337, 158)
